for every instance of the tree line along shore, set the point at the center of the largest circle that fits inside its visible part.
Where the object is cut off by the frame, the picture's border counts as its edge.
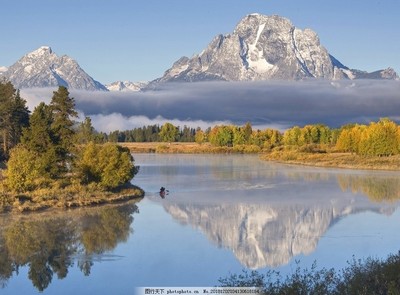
(373, 146)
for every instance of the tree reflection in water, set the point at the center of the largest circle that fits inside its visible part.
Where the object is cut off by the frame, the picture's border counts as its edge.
(48, 244)
(377, 189)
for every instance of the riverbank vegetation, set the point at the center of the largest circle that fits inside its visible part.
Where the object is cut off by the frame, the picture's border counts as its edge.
(369, 276)
(333, 158)
(53, 162)
(373, 146)
(379, 139)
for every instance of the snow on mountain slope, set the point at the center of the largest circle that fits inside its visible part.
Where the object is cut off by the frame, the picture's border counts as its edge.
(262, 48)
(126, 86)
(43, 68)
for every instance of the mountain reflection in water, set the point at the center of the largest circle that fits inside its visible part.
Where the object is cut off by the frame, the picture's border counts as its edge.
(51, 243)
(269, 230)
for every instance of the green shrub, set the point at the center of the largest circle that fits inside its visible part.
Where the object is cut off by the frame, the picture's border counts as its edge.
(109, 165)
(370, 276)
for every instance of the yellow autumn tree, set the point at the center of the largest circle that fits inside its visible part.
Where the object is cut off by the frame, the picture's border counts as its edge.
(380, 139)
(349, 139)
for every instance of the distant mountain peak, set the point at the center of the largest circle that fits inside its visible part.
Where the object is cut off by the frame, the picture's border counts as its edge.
(264, 47)
(43, 68)
(389, 73)
(126, 86)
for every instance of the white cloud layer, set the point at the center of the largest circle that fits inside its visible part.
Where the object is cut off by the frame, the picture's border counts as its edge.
(271, 104)
(116, 121)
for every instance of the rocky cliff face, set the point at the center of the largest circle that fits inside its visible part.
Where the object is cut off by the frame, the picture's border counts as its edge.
(43, 68)
(263, 48)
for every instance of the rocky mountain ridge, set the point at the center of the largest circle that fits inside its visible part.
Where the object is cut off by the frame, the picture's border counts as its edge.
(263, 48)
(260, 47)
(43, 68)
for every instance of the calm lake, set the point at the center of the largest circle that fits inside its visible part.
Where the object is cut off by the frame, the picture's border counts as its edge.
(223, 214)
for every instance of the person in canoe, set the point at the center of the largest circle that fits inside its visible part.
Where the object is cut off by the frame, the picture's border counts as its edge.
(163, 192)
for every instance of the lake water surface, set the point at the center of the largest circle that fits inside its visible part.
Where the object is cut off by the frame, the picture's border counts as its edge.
(223, 214)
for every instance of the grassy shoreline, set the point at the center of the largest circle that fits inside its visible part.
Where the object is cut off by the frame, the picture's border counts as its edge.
(316, 159)
(66, 198)
(334, 160)
(186, 148)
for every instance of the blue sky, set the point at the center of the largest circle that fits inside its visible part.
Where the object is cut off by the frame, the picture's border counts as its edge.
(138, 40)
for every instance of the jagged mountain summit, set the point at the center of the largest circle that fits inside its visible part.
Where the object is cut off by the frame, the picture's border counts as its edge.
(126, 86)
(43, 68)
(262, 48)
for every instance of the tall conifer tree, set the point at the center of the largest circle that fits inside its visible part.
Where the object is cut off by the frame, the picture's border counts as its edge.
(62, 107)
(14, 115)
(39, 137)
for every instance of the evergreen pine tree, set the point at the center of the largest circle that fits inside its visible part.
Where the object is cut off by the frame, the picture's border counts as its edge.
(62, 107)
(86, 132)
(14, 115)
(39, 136)
(39, 140)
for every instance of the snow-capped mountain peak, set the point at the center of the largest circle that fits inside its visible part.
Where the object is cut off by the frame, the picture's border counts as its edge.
(264, 47)
(43, 50)
(126, 86)
(43, 68)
